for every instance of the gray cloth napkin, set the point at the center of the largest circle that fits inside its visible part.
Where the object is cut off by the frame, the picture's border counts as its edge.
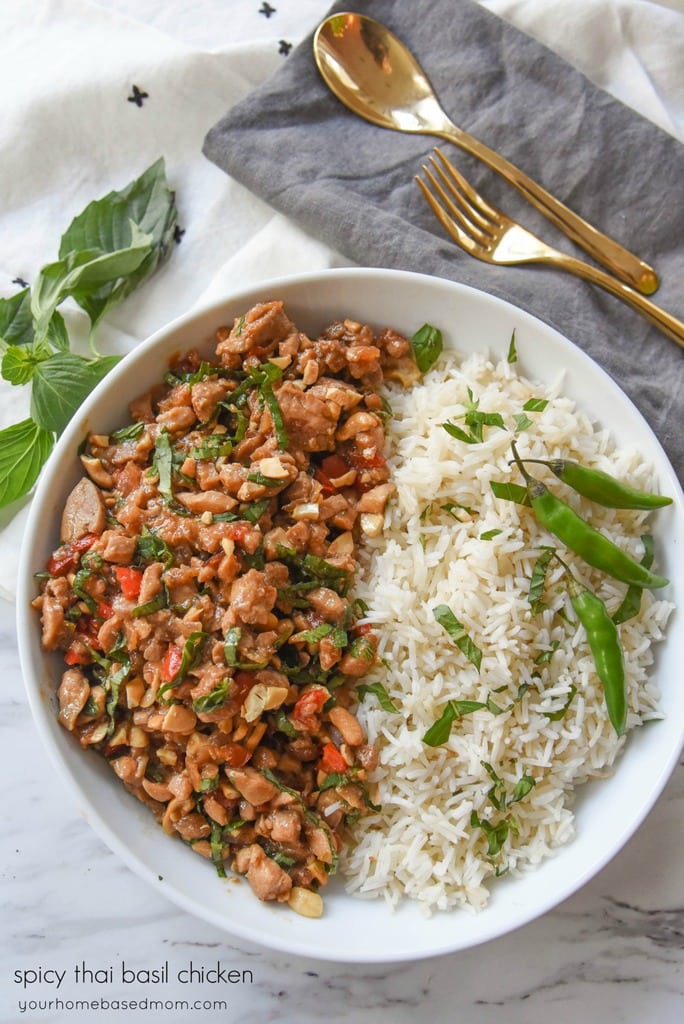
(350, 183)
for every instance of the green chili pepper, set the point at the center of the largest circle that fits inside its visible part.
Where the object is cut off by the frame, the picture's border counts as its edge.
(603, 639)
(601, 487)
(591, 545)
(577, 535)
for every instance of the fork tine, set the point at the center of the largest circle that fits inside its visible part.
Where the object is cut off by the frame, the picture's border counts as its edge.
(469, 215)
(454, 178)
(449, 224)
(468, 231)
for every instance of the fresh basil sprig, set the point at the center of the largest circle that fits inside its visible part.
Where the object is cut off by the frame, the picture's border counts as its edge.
(105, 253)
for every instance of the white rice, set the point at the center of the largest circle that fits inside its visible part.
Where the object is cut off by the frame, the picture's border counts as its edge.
(421, 844)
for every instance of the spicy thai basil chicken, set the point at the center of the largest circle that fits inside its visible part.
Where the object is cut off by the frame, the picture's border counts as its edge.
(201, 595)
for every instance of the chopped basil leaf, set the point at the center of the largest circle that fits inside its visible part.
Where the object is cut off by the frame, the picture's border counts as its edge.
(209, 785)
(214, 699)
(538, 580)
(379, 691)
(155, 604)
(440, 730)
(162, 463)
(496, 835)
(453, 507)
(446, 618)
(522, 421)
(459, 433)
(427, 345)
(535, 405)
(312, 636)
(130, 433)
(512, 356)
(510, 492)
(631, 602)
(151, 548)
(230, 651)
(489, 534)
(216, 846)
(555, 716)
(545, 657)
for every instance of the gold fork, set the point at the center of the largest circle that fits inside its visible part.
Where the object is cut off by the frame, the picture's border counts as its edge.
(488, 234)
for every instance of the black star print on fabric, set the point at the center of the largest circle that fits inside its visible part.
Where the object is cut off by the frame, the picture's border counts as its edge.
(267, 10)
(20, 282)
(138, 96)
(284, 47)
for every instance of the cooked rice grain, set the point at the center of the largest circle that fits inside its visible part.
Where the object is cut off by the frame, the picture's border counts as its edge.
(422, 844)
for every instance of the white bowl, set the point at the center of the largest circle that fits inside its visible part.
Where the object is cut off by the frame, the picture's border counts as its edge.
(351, 929)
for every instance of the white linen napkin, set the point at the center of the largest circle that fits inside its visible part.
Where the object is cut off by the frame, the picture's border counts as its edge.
(72, 127)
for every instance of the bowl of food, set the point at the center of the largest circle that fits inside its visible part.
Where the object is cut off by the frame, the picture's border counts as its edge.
(347, 612)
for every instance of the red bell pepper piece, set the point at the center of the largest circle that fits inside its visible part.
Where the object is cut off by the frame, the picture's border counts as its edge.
(130, 580)
(171, 663)
(332, 760)
(308, 707)
(65, 558)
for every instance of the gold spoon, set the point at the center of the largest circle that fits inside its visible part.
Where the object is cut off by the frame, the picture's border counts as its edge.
(373, 74)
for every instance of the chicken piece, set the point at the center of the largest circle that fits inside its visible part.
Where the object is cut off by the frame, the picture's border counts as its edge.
(267, 879)
(252, 785)
(265, 324)
(310, 421)
(73, 694)
(252, 598)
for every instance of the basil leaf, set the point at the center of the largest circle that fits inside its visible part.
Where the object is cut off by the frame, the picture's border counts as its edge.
(312, 636)
(427, 346)
(555, 716)
(510, 492)
(512, 356)
(446, 618)
(24, 448)
(216, 849)
(16, 322)
(19, 363)
(379, 691)
(130, 433)
(81, 273)
(631, 602)
(489, 534)
(453, 507)
(535, 405)
(162, 463)
(61, 383)
(522, 421)
(541, 568)
(151, 548)
(476, 420)
(214, 699)
(496, 835)
(440, 730)
(108, 225)
(459, 433)
(522, 787)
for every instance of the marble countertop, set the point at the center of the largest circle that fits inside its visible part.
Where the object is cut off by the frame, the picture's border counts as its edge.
(74, 917)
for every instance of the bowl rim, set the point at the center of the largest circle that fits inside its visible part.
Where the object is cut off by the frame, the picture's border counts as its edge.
(43, 714)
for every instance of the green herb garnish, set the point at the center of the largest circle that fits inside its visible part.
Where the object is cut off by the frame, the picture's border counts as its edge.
(427, 346)
(106, 252)
(446, 618)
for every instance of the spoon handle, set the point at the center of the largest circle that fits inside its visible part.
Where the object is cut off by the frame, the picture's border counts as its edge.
(617, 259)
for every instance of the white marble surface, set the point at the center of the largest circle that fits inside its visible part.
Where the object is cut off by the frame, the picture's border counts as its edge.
(613, 952)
